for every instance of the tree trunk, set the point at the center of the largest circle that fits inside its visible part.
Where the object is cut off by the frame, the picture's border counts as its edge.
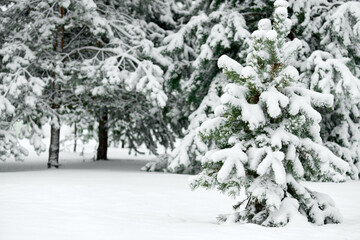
(75, 137)
(103, 135)
(54, 148)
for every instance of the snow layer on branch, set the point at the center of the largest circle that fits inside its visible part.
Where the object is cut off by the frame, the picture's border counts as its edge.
(274, 100)
(148, 79)
(281, 136)
(290, 72)
(302, 105)
(181, 153)
(281, 3)
(212, 124)
(218, 35)
(248, 72)
(271, 35)
(233, 157)
(332, 74)
(229, 64)
(255, 156)
(327, 160)
(176, 40)
(155, 53)
(250, 113)
(230, 28)
(342, 23)
(303, 98)
(291, 48)
(281, 13)
(273, 160)
(265, 24)
(320, 206)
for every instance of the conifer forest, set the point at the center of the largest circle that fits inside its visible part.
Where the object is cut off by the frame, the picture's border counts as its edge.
(179, 119)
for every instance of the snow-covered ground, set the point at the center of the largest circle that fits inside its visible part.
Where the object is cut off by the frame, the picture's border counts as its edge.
(115, 200)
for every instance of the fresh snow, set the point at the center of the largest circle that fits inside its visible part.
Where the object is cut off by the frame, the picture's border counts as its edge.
(229, 64)
(271, 35)
(115, 200)
(265, 24)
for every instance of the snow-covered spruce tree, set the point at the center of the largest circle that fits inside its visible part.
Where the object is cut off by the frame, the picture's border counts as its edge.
(335, 69)
(340, 126)
(327, 25)
(340, 33)
(267, 136)
(340, 37)
(209, 31)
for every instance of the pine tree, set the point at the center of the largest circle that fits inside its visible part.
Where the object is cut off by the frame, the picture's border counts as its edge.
(53, 31)
(267, 136)
(340, 129)
(90, 57)
(209, 29)
(340, 37)
(20, 83)
(20, 90)
(185, 158)
(124, 91)
(333, 69)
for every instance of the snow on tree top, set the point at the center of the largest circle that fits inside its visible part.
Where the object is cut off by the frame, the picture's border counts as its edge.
(229, 64)
(271, 35)
(281, 13)
(288, 23)
(281, 3)
(264, 24)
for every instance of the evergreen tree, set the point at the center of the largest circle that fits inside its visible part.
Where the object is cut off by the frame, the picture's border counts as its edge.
(20, 90)
(185, 158)
(324, 25)
(341, 37)
(209, 29)
(90, 57)
(334, 70)
(340, 129)
(267, 136)
(124, 91)
(54, 31)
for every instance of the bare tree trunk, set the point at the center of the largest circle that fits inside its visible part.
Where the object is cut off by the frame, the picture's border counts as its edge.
(103, 135)
(75, 137)
(54, 148)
